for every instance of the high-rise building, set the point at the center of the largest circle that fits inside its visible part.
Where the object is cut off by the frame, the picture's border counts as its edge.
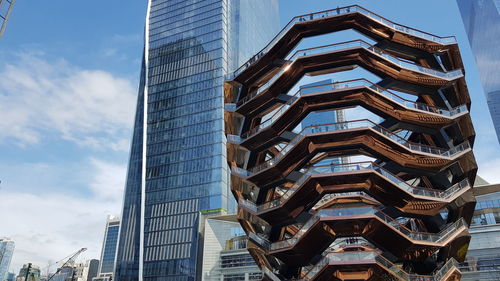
(178, 165)
(225, 254)
(483, 258)
(5, 11)
(482, 23)
(29, 272)
(400, 214)
(108, 253)
(6, 251)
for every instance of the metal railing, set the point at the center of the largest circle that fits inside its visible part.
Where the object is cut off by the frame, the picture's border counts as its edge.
(352, 167)
(267, 121)
(454, 74)
(356, 213)
(334, 13)
(373, 256)
(356, 124)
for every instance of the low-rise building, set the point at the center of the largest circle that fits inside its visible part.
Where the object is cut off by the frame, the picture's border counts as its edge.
(225, 254)
(483, 258)
(29, 272)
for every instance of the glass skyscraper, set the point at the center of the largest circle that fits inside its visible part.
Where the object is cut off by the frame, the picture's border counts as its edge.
(108, 254)
(6, 252)
(482, 23)
(177, 167)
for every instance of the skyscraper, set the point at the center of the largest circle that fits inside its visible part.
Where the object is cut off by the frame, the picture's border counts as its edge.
(482, 23)
(403, 212)
(177, 164)
(6, 251)
(108, 253)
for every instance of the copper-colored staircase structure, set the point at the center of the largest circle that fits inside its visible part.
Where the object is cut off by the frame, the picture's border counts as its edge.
(304, 211)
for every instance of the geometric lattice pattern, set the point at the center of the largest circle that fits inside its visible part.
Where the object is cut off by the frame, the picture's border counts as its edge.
(402, 213)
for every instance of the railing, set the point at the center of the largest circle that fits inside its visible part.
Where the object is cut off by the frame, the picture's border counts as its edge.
(352, 84)
(270, 274)
(350, 167)
(334, 13)
(362, 211)
(375, 257)
(343, 46)
(357, 124)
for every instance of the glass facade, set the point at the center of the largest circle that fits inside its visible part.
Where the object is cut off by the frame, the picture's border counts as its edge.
(6, 252)
(482, 23)
(483, 258)
(191, 45)
(225, 255)
(108, 254)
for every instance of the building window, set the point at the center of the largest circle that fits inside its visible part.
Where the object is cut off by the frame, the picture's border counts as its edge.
(234, 277)
(255, 276)
(237, 261)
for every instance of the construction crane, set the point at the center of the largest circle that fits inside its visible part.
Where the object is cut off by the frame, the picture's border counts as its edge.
(68, 260)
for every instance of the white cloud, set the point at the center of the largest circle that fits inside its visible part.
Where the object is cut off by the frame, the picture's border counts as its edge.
(490, 170)
(89, 107)
(50, 226)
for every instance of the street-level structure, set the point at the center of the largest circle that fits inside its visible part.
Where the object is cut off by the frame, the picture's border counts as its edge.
(225, 254)
(483, 258)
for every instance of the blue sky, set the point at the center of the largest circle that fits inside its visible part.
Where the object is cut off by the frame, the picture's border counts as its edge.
(68, 83)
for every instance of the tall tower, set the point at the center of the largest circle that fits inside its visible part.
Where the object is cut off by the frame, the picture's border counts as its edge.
(178, 167)
(108, 253)
(6, 251)
(400, 206)
(482, 23)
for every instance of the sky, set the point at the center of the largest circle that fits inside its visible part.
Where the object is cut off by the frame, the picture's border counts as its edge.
(68, 86)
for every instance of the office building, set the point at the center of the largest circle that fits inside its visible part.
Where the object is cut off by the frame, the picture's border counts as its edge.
(225, 254)
(177, 165)
(482, 23)
(483, 258)
(29, 272)
(6, 251)
(108, 253)
(402, 213)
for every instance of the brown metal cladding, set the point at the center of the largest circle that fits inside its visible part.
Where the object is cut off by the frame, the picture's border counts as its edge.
(411, 203)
